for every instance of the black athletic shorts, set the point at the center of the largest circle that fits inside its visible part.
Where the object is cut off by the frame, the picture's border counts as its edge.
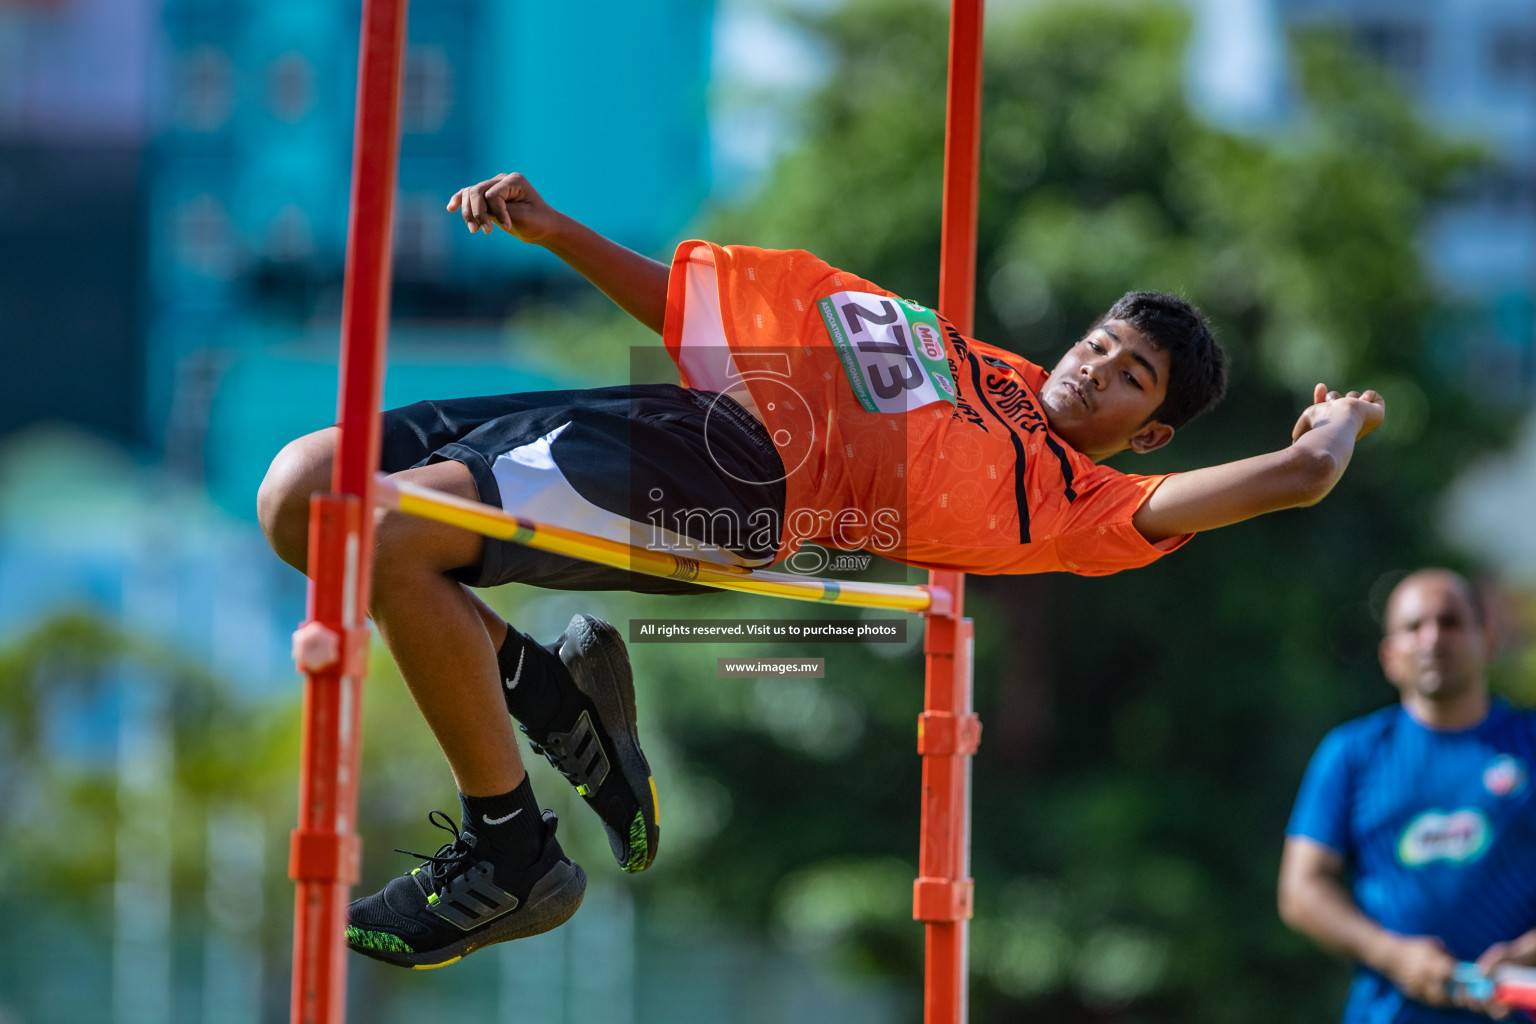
(657, 465)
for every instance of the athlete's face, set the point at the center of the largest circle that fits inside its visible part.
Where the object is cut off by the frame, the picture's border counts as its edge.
(1101, 395)
(1435, 646)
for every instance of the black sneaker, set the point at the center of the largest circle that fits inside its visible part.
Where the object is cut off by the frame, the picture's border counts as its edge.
(597, 748)
(453, 904)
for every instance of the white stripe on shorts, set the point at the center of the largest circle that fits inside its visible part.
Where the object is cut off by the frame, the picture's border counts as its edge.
(533, 485)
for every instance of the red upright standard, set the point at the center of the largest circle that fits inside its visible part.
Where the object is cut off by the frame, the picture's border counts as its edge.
(948, 730)
(331, 646)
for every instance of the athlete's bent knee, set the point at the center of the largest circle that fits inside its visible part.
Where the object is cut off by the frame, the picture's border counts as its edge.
(282, 501)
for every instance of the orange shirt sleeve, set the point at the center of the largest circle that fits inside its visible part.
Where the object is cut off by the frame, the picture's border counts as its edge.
(1099, 537)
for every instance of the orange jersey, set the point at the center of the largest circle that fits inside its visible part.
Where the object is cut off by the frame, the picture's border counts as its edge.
(897, 434)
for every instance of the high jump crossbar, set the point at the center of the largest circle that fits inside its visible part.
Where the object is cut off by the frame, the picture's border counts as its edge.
(331, 647)
(490, 521)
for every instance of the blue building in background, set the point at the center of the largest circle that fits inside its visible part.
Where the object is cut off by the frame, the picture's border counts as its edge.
(72, 134)
(601, 104)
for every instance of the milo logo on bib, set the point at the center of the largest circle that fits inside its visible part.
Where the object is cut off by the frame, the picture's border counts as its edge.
(891, 349)
(1457, 837)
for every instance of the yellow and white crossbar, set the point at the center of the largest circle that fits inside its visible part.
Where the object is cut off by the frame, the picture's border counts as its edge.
(490, 521)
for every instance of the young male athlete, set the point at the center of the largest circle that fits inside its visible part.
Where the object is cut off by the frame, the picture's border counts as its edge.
(814, 407)
(1410, 845)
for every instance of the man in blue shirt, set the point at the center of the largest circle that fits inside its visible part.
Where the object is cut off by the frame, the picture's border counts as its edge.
(1412, 844)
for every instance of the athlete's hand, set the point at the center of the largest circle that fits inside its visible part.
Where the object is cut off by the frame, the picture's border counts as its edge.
(1368, 409)
(1421, 967)
(506, 201)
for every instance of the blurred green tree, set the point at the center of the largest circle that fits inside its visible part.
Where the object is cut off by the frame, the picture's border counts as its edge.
(1145, 732)
(118, 758)
(61, 683)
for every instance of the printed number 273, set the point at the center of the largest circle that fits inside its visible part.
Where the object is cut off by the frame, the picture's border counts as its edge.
(890, 318)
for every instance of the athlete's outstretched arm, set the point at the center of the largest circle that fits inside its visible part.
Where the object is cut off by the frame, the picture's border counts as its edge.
(1302, 474)
(637, 283)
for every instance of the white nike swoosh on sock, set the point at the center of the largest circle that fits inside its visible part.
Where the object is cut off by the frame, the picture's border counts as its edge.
(502, 820)
(519, 673)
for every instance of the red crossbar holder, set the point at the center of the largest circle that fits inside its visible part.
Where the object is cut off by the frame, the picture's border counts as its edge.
(323, 857)
(940, 732)
(940, 600)
(943, 899)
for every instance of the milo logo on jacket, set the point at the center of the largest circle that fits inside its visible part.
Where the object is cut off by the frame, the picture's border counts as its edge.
(1456, 837)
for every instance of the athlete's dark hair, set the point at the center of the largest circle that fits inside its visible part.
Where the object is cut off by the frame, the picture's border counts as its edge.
(1197, 367)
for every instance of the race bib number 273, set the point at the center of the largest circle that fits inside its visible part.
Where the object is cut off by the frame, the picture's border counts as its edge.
(891, 349)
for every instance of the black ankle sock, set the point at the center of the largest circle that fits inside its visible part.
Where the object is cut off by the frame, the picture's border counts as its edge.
(508, 827)
(533, 680)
